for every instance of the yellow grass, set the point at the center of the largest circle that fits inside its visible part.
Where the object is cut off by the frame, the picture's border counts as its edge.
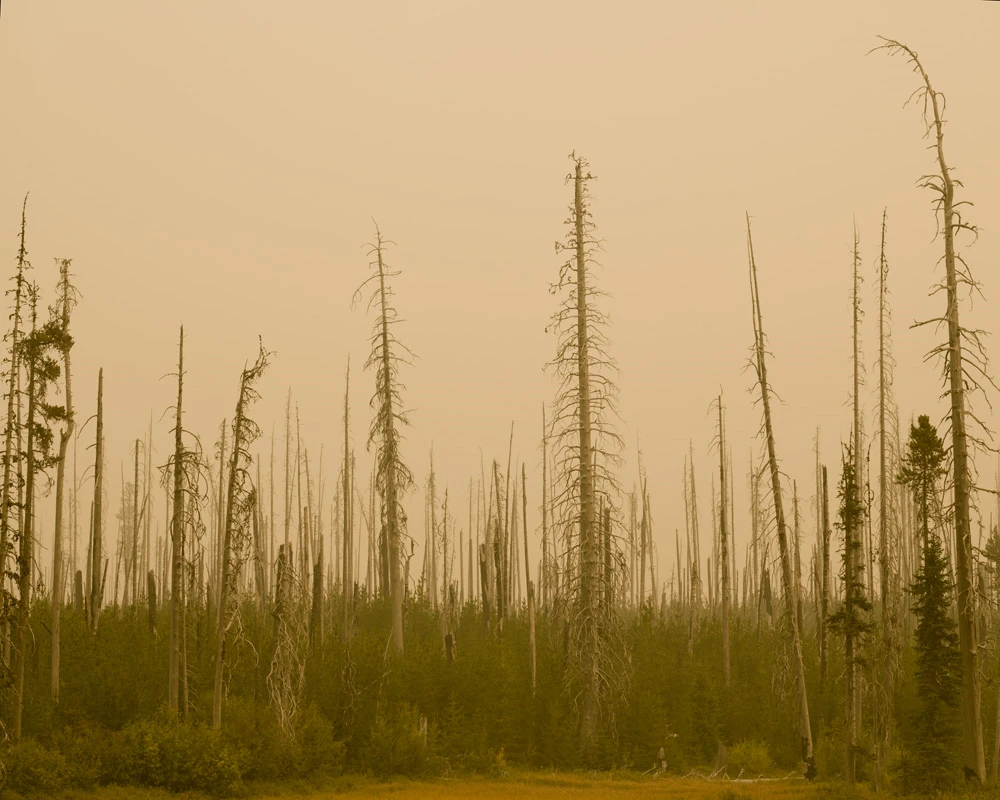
(521, 786)
(541, 786)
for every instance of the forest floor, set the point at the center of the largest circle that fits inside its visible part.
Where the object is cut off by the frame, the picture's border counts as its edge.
(518, 785)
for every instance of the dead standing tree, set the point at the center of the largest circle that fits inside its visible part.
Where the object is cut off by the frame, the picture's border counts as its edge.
(286, 677)
(348, 522)
(240, 503)
(13, 464)
(723, 536)
(96, 528)
(67, 300)
(964, 370)
(190, 488)
(392, 477)
(39, 351)
(888, 664)
(586, 450)
(760, 370)
(177, 536)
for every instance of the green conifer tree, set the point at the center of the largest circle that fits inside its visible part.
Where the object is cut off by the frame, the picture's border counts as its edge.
(937, 727)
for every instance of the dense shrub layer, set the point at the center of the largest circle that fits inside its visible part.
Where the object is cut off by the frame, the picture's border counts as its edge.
(366, 710)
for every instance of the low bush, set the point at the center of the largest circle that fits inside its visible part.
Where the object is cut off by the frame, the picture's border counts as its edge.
(319, 751)
(165, 753)
(395, 746)
(268, 754)
(750, 757)
(29, 768)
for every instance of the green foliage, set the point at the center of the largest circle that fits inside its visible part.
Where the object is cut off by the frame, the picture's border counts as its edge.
(830, 752)
(483, 716)
(937, 726)
(852, 619)
(166, 753)
(922, 468)
(749, 757)
(933, 752)
(30, 768)
(395, 746)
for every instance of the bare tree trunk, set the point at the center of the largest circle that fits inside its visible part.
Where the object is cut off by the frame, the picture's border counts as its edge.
(648, 516)
(131, 572)
(642, 541)
(220, 515)
(805, 728)
(177, 536)
(150, 598)
(27, 543)
(259, 553)
(723, 544)
(696, 582)
(859, 450)
(469, 584)
(888, 542)
(67, 299)
(97, 581)
(12, 433)
(78, 591)
(825, 587)
(527, 576)
(432, 538)
(301, 541)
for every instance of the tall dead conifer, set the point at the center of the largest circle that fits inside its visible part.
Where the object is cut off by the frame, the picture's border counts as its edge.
(585, 449)
(964, 370)
(392, 477)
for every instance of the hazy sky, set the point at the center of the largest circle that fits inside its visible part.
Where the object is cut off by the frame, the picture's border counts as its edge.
(218, 164)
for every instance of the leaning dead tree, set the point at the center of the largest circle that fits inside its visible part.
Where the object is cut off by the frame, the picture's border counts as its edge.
(586, 450)
(392, 477)
(964, 371)
(240, 503)
(760, 369)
